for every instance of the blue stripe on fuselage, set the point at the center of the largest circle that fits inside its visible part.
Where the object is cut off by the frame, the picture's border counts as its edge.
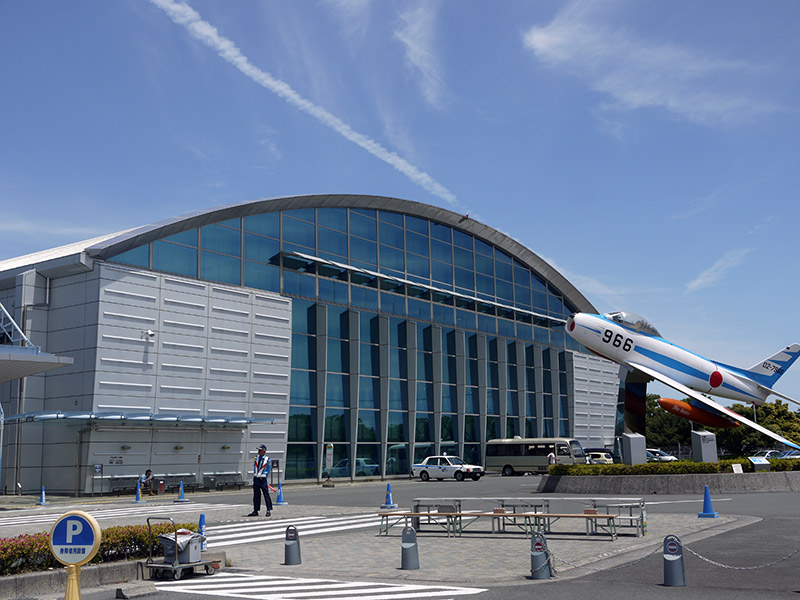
(671, 363)
(592, 329)
(681, 367)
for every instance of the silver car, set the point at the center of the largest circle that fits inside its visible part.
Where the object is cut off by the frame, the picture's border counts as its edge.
(656, 455)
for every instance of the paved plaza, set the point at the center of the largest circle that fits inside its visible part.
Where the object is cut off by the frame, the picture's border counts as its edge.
(343, 543)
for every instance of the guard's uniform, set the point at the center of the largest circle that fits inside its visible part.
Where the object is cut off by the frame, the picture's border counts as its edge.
(262, 466)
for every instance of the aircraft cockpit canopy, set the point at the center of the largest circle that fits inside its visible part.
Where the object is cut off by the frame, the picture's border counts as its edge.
(634, 321)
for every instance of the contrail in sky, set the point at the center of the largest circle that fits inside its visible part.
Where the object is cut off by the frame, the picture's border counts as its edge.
(185, 15)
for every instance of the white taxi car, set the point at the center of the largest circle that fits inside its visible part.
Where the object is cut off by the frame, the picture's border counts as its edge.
(444, 466)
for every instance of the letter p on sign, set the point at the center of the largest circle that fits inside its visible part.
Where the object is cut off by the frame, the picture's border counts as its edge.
(74, 527)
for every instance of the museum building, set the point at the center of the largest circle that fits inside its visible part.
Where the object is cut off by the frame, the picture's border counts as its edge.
(386, 329)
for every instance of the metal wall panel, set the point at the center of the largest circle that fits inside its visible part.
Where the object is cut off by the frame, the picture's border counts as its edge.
(596, 385)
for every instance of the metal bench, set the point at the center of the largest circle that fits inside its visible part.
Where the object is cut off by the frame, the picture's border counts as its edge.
(541, 522)
(122, 483)
(530, 523)
(221, 480)
(632, 514)
(230, 480)
(451, 523)
(172, 482)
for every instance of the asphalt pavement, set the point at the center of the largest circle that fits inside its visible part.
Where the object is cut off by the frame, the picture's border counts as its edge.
(750, 550)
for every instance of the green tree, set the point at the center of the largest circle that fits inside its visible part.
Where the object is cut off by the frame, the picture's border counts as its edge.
(745, 441)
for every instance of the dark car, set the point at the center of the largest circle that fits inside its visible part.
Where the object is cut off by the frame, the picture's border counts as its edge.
(788, 454)
(364, 467)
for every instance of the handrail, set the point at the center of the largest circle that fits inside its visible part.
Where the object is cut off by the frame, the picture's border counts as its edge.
(12, 331)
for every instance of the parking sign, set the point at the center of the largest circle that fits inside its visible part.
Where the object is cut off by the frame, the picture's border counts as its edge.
(75, 538)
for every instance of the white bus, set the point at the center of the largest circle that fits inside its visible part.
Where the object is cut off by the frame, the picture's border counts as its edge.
(516, 456)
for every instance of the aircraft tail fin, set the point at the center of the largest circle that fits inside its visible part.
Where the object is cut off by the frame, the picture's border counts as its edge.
(768, 371)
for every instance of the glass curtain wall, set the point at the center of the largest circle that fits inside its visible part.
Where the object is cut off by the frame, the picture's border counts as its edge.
(410, 337)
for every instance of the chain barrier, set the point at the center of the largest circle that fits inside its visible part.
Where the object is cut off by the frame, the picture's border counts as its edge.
(753, 568)
(552, 558)
(550, 562)
(626, 564)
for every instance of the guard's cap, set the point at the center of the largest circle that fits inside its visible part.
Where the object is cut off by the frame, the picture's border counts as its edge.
(261, 447)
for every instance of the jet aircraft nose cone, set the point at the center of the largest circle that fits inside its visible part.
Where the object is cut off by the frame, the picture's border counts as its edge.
(571, 322)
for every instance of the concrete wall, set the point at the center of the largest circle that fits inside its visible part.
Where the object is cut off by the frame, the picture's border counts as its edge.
(643, 485)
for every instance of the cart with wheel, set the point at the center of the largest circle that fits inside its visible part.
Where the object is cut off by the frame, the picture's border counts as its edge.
(174, 568)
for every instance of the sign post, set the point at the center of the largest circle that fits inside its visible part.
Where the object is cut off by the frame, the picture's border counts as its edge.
(328, 457)
(97, 470)
(74, 540)
(328, 464)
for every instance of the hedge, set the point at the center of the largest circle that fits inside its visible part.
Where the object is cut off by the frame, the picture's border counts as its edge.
(31, 552)
(680, 467)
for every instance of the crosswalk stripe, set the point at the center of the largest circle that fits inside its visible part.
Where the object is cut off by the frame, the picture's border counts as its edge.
(109, 513)
(255, 587)
(249, 524)
(276, 530)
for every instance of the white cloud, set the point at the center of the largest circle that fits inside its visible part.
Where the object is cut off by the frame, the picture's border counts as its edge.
(697, 207)
(416, 33)
(761, 226)
(638, 72)
(207, 34)
(354, 15)
(714, 274)
(394, 127)
(265, 138)
(611, 298)
(40, 227)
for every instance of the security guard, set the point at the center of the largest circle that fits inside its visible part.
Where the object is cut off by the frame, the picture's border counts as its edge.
(262, 465)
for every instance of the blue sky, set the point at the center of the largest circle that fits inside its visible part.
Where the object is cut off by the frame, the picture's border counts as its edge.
(648, 150)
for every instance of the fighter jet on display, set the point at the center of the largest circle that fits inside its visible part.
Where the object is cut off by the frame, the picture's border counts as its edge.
(630, 340)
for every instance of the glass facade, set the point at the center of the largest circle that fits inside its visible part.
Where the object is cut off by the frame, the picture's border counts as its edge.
(410, 337)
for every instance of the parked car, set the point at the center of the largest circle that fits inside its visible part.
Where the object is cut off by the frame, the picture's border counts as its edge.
(364, 467)
(789, 454)
(600, 458)
(446, 466)
(656, 455)
(768, 454)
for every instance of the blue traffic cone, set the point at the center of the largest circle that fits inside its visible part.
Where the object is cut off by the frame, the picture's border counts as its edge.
(280, 501)
(180, 498)
(138, 499)
(201, 525)
(708, 510)
(389, 504)
(42, 501)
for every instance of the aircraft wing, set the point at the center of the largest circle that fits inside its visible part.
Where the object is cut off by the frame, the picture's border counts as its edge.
(778, 394)
(710, 403)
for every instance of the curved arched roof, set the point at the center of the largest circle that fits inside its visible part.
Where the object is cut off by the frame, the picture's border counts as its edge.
(107, 247)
